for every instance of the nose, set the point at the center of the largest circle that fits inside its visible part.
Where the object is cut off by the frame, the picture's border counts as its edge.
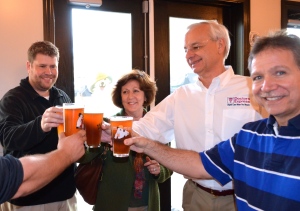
(48, 71)
(268, 85)
(130, 95)
(189, 54)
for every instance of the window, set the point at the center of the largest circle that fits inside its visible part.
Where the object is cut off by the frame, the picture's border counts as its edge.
(293, 27)
(102, 54)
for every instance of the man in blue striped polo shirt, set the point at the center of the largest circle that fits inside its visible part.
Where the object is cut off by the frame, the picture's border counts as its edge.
(263, 158)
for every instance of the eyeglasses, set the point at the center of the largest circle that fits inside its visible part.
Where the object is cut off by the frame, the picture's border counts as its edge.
(196, 46)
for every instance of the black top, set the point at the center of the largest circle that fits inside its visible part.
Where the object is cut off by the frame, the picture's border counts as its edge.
(11, 177)
(21, 110)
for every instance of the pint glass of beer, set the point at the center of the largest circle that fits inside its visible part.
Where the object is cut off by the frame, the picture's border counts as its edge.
(60, 127)
(120, 130)
(92, 122)
(73, 118)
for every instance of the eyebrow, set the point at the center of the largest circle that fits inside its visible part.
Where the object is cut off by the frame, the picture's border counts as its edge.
(274, 68)
(197, 42)
(193, 44)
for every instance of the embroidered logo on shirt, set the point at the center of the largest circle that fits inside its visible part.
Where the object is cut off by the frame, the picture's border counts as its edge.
(238, 101)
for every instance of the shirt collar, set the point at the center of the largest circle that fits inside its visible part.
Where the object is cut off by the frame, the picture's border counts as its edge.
(33, 94)
(221, 80)
(294, 122)
(26, 85)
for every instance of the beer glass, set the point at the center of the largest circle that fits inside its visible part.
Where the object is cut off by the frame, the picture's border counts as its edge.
(93, 121)
(120, 130)
(73, 118)
(60, 127)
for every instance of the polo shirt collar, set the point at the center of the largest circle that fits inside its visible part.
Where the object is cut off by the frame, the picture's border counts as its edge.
(294, 122)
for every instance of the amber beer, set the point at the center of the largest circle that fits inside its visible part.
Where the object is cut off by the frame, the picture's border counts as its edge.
(120, 130)
(73, 118)
(60, 127)
(92, 122)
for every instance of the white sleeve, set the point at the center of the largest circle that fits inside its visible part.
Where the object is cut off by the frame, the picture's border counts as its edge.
(158, 123)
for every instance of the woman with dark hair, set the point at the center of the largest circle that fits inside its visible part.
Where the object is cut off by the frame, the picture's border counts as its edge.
(131, 184)
(133, 93)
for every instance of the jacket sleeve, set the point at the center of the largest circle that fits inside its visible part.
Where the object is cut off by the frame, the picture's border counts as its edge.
(165, 174)
(158, 123)
(15, 132)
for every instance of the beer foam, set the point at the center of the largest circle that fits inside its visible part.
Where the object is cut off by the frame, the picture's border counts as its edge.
(93, 109)
(121, 118)
(72, 106)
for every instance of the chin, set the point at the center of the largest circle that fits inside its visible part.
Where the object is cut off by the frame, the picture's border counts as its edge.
(274, 112)
(131, 110)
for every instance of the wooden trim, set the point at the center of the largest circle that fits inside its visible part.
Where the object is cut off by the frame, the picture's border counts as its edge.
(49, 21)
(247, 25)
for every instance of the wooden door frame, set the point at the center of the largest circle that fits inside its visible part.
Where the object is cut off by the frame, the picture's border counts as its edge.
(48, 20)
(60, 33)
(238, 56)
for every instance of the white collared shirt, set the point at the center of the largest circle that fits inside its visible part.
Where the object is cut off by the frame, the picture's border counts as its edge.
(199, 118)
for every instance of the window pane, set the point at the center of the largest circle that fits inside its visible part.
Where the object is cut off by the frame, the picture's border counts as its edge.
(294, 31)
(180, 71)
(180, 74)
(102, 54)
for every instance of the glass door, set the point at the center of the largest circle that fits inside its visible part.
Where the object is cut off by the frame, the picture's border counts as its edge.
(180, 71)
(293, 27)
(180, 74)
(171, 69)
(102, 54)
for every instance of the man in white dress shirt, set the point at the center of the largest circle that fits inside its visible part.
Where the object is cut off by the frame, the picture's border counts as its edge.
(200, 115)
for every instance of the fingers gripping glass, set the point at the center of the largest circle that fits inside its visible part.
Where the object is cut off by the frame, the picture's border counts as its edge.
(196, 46)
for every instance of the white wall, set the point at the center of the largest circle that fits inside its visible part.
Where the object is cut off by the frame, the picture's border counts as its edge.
(263, 20)
(21, 24)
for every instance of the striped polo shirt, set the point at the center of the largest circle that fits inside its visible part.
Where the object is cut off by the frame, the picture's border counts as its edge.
(263, 162)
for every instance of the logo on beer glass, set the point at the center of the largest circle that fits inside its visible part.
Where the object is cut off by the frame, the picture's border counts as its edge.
(79, 124)
(121, 133)
(120, 130)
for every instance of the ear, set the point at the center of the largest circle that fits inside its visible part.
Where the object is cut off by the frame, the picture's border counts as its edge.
(221, 46)
(28, 66)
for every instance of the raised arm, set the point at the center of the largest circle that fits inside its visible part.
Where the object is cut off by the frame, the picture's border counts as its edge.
(185, 162)
(39, 170)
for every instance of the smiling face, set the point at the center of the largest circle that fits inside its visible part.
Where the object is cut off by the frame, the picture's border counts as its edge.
(204, 55)
(133, 98)
(42, 73)
(276, 84)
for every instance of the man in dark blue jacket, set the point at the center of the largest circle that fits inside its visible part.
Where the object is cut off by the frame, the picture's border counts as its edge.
(28, 122)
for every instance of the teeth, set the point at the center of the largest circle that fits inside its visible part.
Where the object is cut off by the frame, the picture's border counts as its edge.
(273, 98)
